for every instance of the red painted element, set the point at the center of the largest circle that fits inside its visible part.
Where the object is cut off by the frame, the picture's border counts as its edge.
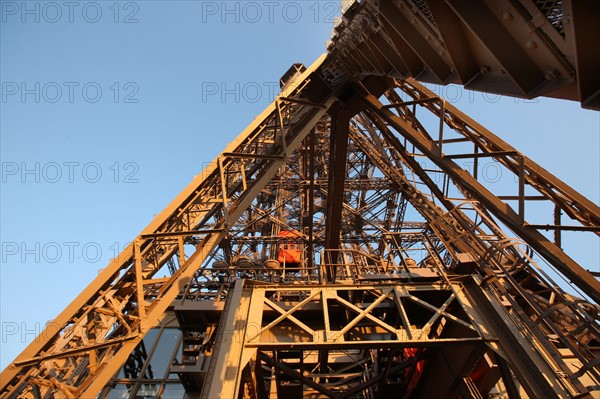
(290, 251)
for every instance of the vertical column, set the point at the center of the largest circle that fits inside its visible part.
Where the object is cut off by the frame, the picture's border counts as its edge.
(340, 126)
(225, 370)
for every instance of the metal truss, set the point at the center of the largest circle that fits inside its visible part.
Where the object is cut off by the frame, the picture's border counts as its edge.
(441, 151)
(367, 340)
(334, 339)
(458, 237)
(523, 48)
(404, 268)
(81, 347)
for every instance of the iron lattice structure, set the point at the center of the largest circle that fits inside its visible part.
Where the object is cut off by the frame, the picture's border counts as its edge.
(340, 247)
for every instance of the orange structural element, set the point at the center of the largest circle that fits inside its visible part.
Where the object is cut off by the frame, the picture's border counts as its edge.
(414, 375)
(290, 250)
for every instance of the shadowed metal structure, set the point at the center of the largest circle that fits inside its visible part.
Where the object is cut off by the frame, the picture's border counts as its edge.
(524, 48)
(341, 247)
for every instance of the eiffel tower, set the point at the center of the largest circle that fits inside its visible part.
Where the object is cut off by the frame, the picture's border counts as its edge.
(340, 248)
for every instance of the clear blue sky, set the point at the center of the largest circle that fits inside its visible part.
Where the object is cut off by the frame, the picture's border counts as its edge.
(110, 108)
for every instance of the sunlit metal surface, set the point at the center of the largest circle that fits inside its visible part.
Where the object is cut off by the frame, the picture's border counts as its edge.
(337, 248)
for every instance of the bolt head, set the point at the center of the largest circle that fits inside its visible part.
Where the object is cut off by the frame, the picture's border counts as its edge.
(531, 44)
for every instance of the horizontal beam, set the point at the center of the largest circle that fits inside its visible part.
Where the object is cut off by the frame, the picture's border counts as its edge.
(368, 344)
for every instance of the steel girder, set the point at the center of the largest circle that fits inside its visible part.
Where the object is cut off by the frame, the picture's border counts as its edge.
(486, 144)
(354, 341)
(83, 347)
(524, 48)
(509, 276)
(275, 178)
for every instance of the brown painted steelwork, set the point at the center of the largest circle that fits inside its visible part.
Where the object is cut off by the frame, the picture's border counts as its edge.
(405, 274)
(525, 48)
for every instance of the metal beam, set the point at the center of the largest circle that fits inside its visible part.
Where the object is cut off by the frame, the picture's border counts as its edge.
(504, 212)
(340, 124)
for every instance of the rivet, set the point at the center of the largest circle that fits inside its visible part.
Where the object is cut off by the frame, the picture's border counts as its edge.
(551, 74)
(531, 44)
